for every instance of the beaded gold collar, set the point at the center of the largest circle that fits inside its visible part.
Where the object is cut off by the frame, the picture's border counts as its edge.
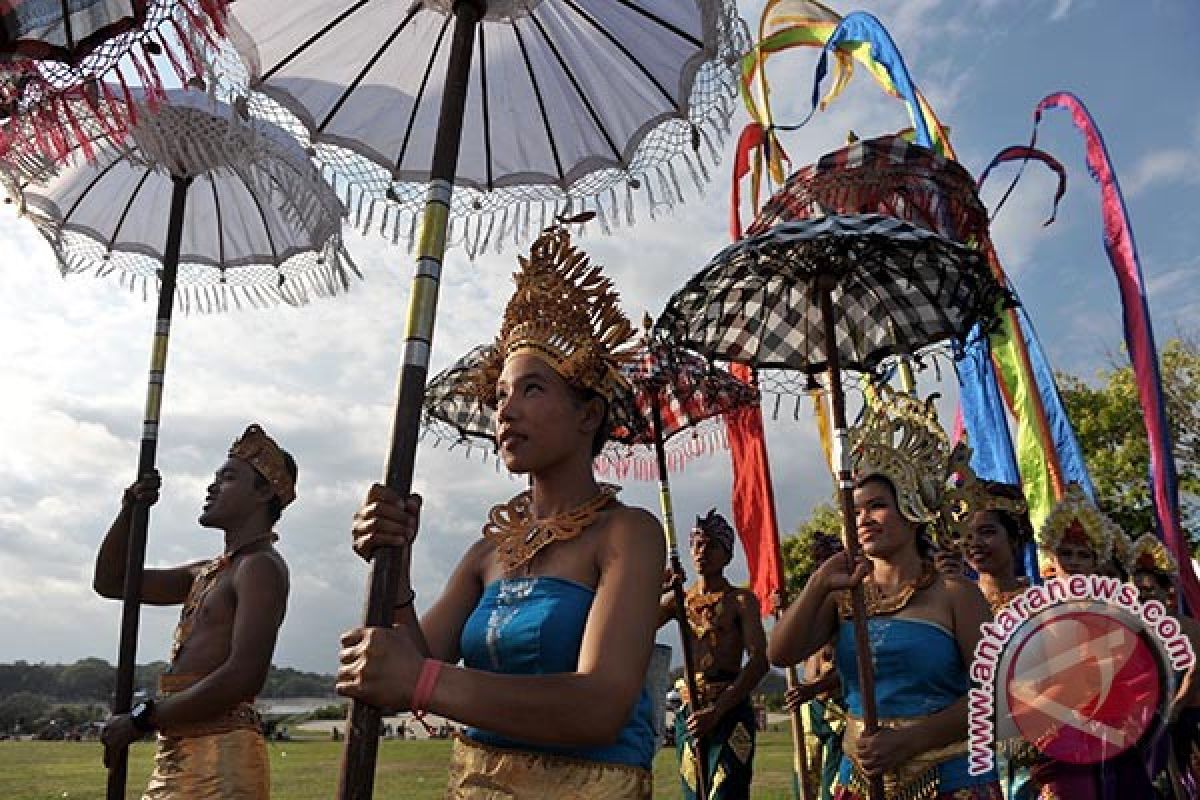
(518, 536)
(997, 599)
(879, 603)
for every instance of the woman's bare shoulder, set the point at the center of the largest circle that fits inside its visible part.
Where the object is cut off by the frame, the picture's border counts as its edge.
(633, 527)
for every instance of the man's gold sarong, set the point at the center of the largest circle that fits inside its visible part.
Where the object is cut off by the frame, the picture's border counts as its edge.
(224, 758)
(480, 772)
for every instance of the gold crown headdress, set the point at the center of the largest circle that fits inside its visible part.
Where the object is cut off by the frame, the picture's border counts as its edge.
(565, 312)
(1075, 516)
(972, 495)
(1149, 553)
(900, 439)
(260, 451)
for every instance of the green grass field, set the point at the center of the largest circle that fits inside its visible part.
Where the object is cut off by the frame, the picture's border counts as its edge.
(307, 770)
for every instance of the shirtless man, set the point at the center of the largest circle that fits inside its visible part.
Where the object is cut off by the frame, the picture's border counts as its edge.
(210, 743)
(725, 625)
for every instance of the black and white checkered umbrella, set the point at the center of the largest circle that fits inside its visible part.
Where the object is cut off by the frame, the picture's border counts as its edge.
(897, 289)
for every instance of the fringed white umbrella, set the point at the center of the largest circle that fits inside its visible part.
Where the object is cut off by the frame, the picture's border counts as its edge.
(250, 222)
(527, 106)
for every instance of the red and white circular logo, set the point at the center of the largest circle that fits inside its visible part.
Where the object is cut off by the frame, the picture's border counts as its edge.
(1083, 686)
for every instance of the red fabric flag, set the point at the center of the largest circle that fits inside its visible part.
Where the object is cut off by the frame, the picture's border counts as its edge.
(754, 499)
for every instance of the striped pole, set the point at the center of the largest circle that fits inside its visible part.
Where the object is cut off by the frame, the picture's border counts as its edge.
(136, 555)
(357, 779)
(699, 750)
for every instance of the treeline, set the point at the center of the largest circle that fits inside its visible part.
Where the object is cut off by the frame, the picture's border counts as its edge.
(91, 680)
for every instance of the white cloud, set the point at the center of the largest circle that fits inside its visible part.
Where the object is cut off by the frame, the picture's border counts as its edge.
(1060, 10)
(1179, 165)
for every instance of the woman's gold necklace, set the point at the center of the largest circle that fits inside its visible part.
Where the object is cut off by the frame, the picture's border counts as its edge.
(879, 603)
(518, 537)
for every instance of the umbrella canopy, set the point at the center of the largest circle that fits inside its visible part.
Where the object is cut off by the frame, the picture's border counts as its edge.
(887, 175)
(259, 224)
(898, 288)
(569, 103)
(691, 395)
(56, 57)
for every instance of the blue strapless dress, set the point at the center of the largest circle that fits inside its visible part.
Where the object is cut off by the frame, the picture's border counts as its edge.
(534, 626)
(918, 672)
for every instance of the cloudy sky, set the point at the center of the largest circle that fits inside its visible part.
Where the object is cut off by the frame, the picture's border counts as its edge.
(321, 378)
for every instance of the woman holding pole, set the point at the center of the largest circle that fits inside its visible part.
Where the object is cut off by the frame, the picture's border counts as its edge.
(553, 612)
(923, 626)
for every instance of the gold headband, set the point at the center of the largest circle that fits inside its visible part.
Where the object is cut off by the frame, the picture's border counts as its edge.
(1149, 553)
(260, 451)
(900, 439)
(565, 312)
(1075, 510)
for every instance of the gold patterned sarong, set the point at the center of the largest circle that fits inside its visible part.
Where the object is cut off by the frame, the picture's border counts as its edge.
(482, 772)
(917, 779)
(223, 757)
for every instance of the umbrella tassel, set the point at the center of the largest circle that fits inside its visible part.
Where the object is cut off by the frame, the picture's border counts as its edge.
(713, 154)
(366, 227)
(691, 165)
(675, 182)
(412, 232)
(605, 227)
(181, 72)
(629, 203)
(155, 87)
(487, 236)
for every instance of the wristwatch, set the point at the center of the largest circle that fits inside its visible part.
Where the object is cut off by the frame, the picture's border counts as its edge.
(141, 715)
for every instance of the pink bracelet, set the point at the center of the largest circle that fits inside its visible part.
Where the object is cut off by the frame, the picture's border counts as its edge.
(426, 681)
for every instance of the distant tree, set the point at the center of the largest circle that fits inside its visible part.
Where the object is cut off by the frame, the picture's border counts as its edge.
(21, 710)
(21, 676)
(1107, 418)
(87, 679)
(800, 550)
(331, 711)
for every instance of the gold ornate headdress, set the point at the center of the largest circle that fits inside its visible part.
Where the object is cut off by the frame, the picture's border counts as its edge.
(1149, 553)
(565, 312)
(900, 439)
(972, 495)
(1076, 517)
(260, 451)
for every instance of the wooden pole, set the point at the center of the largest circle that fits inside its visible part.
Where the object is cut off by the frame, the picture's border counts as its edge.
(685, 633)
(131, 602)
(357, 778)
(845, 486)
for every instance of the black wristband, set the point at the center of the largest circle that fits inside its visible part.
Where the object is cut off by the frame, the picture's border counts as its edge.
(141, 715)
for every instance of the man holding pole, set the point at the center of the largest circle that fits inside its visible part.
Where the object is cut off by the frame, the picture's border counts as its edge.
(716, 730)
(210, 742)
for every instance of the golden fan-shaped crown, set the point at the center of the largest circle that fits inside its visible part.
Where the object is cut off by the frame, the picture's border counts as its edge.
(564, 311)
(900, 439)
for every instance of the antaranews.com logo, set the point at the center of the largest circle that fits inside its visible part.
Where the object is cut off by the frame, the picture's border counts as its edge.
(1078, 667)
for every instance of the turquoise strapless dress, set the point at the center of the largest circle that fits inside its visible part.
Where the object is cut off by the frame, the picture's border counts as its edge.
(918, 672)
(534, 626)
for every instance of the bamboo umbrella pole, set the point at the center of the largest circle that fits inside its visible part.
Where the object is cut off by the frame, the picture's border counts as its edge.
(357, 778)
(689, 662)
(845, 485)
(136, 553)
